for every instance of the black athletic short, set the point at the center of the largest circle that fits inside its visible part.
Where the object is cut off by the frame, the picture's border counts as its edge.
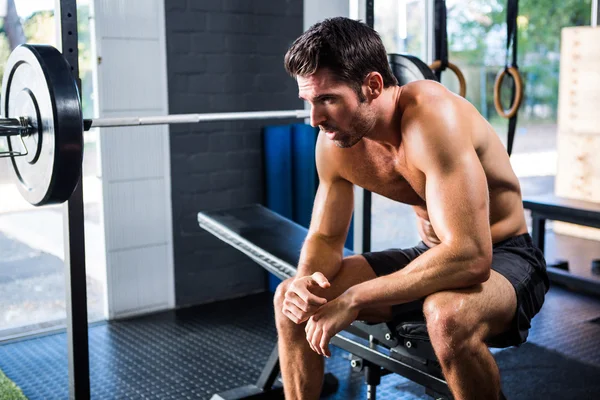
(517, 259)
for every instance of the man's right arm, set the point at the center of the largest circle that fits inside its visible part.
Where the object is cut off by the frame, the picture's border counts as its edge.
(332, 212)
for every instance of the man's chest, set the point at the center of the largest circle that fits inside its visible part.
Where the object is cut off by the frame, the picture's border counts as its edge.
(388, 176)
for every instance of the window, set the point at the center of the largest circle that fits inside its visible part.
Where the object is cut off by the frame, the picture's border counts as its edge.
(32, 279)
(477, 43)
(401, 25)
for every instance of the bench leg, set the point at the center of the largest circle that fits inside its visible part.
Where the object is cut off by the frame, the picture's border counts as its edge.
(373, 379)
(538, 231)
(270, 371)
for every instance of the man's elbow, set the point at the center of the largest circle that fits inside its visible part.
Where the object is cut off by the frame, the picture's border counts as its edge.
(481, 266)
(478, 258)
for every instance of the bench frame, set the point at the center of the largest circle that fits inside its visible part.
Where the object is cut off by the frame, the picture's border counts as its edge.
(566, 210)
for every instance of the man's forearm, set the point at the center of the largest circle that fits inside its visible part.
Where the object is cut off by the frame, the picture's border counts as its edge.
(320, 255)
(435, 270)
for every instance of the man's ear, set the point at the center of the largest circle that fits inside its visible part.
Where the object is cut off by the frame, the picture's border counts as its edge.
(374, 85)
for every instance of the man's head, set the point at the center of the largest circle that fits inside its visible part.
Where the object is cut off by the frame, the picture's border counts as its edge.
(341, 65)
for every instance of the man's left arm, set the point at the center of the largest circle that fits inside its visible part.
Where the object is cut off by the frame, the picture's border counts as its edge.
(457, 200)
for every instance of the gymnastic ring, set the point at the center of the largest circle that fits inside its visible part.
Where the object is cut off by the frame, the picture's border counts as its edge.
(462, 83)
(514, 72)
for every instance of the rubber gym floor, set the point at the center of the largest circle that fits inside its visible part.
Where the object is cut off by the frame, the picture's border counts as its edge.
(196, 352)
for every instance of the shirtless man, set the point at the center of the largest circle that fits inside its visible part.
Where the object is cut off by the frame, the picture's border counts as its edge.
(476, 271)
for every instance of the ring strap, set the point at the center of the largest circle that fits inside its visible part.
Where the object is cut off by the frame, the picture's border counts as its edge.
(512, 69)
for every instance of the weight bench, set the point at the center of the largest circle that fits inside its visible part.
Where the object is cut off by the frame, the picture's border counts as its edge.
(401, 346)
(551, 207)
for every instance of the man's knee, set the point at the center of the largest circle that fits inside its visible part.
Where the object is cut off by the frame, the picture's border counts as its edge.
(279, 296)
(451, 327)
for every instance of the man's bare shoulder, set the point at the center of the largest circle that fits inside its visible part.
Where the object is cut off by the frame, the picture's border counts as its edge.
(423, 95)
(431, 122)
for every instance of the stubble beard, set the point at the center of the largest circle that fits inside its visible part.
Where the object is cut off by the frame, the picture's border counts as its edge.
(362, 123)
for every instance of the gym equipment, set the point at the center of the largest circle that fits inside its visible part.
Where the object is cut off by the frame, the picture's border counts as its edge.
(585, 213)
(44, 127)
(401, 346)
(462, 83)
(441, 49)
(408, 68)
(518, 92)
(38, 89)
(511, 69)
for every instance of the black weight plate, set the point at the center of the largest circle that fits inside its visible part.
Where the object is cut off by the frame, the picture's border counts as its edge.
(408, 68)
(38, 84)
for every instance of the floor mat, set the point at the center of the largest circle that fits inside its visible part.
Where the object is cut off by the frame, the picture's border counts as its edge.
(534, 372)
(196, 352)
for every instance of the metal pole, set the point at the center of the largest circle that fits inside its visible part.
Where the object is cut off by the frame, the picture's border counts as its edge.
(428, 32)
(16, 126)
(73, 223)
(595, 13)
(370, 17)
(366, 199)
(194, 118)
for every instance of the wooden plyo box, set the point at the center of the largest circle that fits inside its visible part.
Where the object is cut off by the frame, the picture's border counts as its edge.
(578, 172)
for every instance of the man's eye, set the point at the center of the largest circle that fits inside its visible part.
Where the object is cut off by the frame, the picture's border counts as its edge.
(327, 100)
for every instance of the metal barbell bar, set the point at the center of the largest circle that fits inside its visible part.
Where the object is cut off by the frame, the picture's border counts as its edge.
(195, 118)
(20, 126)
(41, 113)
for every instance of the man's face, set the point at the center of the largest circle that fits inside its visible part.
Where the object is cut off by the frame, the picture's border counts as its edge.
(336, 108)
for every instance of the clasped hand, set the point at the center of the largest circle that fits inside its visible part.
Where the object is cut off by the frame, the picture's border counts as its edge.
(300, 301)
(325, 319)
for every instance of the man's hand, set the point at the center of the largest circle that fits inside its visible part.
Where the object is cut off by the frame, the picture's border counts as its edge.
(330, 319)
(300, 301)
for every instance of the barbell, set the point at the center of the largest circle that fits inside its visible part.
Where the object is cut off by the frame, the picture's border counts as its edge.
(43, 124)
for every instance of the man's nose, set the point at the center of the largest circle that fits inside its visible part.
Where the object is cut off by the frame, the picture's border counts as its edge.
(316, 117)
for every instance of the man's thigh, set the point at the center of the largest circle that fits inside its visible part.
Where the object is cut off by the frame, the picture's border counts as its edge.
(524, 267)
(355, 269)
(503, 306)
(486, 309)
(360, 268)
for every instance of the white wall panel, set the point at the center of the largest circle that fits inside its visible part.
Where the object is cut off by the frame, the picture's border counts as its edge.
(141, 19)
(135, 215)
(135, 165)
(130, 71)
(130, 293)
(135, 152)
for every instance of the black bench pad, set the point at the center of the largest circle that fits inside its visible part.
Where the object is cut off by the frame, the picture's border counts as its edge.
(260, 232)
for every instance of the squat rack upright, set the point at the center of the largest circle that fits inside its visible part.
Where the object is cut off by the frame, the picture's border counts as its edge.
(73, 230)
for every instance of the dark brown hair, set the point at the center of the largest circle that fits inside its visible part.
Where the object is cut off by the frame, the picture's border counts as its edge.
(348, 48)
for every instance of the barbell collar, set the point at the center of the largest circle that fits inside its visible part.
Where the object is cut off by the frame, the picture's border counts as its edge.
(12, 153)
(15, 126)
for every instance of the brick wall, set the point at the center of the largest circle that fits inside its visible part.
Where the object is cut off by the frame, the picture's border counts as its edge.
(222, 56)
